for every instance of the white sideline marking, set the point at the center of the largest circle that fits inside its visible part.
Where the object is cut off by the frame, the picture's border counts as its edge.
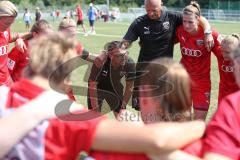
(104, 35)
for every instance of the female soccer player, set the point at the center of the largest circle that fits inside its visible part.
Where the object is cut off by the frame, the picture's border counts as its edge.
(58, 139)
(8, 13)
(227, 83)
(196, 58)
(18, 60)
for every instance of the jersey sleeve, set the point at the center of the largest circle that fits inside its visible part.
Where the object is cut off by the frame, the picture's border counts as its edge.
(222, 134)
(132, 33)
(65, 140)
(217, 43)
(177, 16)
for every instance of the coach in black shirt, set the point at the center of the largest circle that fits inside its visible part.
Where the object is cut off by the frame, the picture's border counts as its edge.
(156, 31)
(105, 82)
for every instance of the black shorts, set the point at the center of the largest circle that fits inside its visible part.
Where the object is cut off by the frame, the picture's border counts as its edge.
(114, 100)
(91, 22)
(80, 22)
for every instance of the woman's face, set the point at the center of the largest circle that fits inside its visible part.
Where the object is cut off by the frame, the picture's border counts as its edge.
(190, 23)
(236, 62)
(6, 22)
(226, 49)
(70, 31)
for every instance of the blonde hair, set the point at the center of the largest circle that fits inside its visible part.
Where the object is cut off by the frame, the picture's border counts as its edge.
(66, 22)
(50, 52)
(8, 9)
(232, 39)
(192, 8)
(171, 86)
(236, 52)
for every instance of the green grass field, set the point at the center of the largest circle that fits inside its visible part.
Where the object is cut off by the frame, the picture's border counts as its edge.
(114, 31)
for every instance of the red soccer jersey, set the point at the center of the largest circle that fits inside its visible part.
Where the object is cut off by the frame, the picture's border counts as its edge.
(195, 57)
(79, 13)
(17, 61)
(53, 139)
(5, 37)
(227, 83)
(223, 131)
(100, 155)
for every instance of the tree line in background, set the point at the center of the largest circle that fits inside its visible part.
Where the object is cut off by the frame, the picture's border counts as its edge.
(213, 4)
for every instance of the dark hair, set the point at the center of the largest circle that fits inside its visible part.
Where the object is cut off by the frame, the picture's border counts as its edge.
(112, 45)
(192, 8)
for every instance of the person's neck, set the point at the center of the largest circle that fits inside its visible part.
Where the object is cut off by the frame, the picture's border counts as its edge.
(195, 32)
(42, 82)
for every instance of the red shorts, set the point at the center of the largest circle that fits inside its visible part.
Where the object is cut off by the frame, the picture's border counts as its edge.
(201, 96)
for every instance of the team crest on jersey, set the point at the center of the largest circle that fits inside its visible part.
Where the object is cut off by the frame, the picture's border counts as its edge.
(147, 30)
(5, 33)
(199, 42)
(220, 38)
(166, 25)
(10, 64)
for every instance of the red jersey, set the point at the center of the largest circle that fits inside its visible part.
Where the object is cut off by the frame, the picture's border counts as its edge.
(223, 131)
(17, 61)
(79, 13)
(100, 155)
(227, 84)
(5, 37)
(52, 139)
(195, 57)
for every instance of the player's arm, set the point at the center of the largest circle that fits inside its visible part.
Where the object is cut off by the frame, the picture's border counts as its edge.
(19, 40)
(127, 93)
(17, 124)
(93, 96)
(150, 139)
(209, 41)
(213, 156)
(175, 155)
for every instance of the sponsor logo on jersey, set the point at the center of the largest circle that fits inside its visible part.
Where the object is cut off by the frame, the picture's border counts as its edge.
(191, 52)
(227, 68)
(166, 25)
(147, 30)
(3, 50)
(10, 64)
(199, 42)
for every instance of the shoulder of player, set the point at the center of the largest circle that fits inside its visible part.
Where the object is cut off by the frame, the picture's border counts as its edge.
(172, 13)
(140, 19)
(233, 101)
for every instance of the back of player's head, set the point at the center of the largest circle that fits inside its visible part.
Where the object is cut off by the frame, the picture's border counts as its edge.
(192, 8)
(110, 46)
(66, 23)
(48, 53)
(168, 82)
(41, 26)
(8, 9)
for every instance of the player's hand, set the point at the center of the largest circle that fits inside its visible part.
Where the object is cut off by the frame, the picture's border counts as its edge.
(20, 45)
(209, 42)
(100, 59)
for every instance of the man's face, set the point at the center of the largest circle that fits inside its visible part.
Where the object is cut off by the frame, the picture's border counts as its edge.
(5, 22)
(190, 23)
(119, 57)
(153, 11)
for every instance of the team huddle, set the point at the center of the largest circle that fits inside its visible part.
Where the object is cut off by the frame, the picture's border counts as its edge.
(40, 118)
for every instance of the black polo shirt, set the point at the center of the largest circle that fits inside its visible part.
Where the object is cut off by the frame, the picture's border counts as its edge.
(156, 36)
(109, 78)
